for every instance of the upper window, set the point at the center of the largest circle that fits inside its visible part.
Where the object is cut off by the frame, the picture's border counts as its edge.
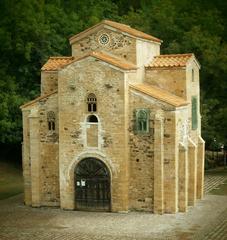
(92, 102)
(51, 121)
(142, 121)
(194, 113)
(92, 118)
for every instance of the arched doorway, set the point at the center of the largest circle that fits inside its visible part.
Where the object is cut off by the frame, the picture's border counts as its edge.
(92, 185)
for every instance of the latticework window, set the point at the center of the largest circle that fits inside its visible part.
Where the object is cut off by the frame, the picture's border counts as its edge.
(142, 121)
(92, 102)
(51, 121)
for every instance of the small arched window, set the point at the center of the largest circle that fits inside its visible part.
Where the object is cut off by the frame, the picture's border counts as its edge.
(51, 121)
(91, 102)
(142, 121)
(92, 118)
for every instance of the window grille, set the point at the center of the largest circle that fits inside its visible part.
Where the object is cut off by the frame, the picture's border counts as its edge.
(51, 121)
(142, 121)
(92, 102)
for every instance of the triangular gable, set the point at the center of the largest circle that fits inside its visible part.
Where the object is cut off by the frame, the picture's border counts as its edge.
(117, 26)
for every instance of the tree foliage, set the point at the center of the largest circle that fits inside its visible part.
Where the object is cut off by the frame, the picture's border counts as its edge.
(33, 30)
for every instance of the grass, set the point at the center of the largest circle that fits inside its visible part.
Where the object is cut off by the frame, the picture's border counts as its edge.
(11, 181)
(221, 190)
(217, 171)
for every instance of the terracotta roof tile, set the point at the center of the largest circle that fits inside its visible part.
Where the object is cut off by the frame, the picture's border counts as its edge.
(113, 60)
(159, 94)
(118, 26)
(171, 60)
(37, 99)
(54, 63)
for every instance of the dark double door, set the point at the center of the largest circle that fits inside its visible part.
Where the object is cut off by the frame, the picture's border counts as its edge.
(92, 185)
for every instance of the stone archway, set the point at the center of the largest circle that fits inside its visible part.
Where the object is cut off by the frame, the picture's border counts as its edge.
(92, 185)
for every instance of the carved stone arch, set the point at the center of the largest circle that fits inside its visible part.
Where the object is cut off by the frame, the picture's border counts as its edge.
(92, 184)
(74, 163)
(88, 154)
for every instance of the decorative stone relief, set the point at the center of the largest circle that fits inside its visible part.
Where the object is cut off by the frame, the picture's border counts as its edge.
(108, 41)
(184, 132)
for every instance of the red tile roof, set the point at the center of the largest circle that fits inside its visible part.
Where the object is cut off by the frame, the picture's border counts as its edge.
(170, 60)
(159, 94)
(55, 63)
(119, 26)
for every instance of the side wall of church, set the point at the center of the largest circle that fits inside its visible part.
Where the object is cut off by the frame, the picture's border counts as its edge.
(108, 84)
(49, 82)
(49, 163)
(142, 153)
(26, 162)
(171, 79)
(141, 177)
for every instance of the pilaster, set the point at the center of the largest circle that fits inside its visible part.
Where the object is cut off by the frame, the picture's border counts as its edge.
(200, 167)
(192, 177)
(183, 179)
(35, 158)
(158, 166)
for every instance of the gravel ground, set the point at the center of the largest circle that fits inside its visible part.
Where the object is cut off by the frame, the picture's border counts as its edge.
(207, 220)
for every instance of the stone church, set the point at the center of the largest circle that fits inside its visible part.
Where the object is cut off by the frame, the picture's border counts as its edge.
(117, 126)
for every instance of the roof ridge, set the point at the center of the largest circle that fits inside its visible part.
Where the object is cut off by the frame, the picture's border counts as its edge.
(175, 55)
(128, 65)
(167, 97)
(113, 22)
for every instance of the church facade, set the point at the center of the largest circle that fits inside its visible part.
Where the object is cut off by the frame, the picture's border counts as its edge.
(117, 126)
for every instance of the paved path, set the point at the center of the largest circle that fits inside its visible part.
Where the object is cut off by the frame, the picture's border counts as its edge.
(212, 182)
(206, 221)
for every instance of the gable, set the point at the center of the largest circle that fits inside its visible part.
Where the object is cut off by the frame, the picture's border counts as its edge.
(126, 29)
(115, 38)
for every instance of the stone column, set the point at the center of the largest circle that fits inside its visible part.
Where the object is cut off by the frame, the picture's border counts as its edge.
(183, 179)
(170, 163)
(200, 167)
(158, 166)
(192, 167)
(35, 158)
(26, 158)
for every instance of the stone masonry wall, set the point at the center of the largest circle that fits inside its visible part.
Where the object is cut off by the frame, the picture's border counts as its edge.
(92, 76)
(49, 82)
(49, 169)
(141, 180)
(120, 45)
(172, 80)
